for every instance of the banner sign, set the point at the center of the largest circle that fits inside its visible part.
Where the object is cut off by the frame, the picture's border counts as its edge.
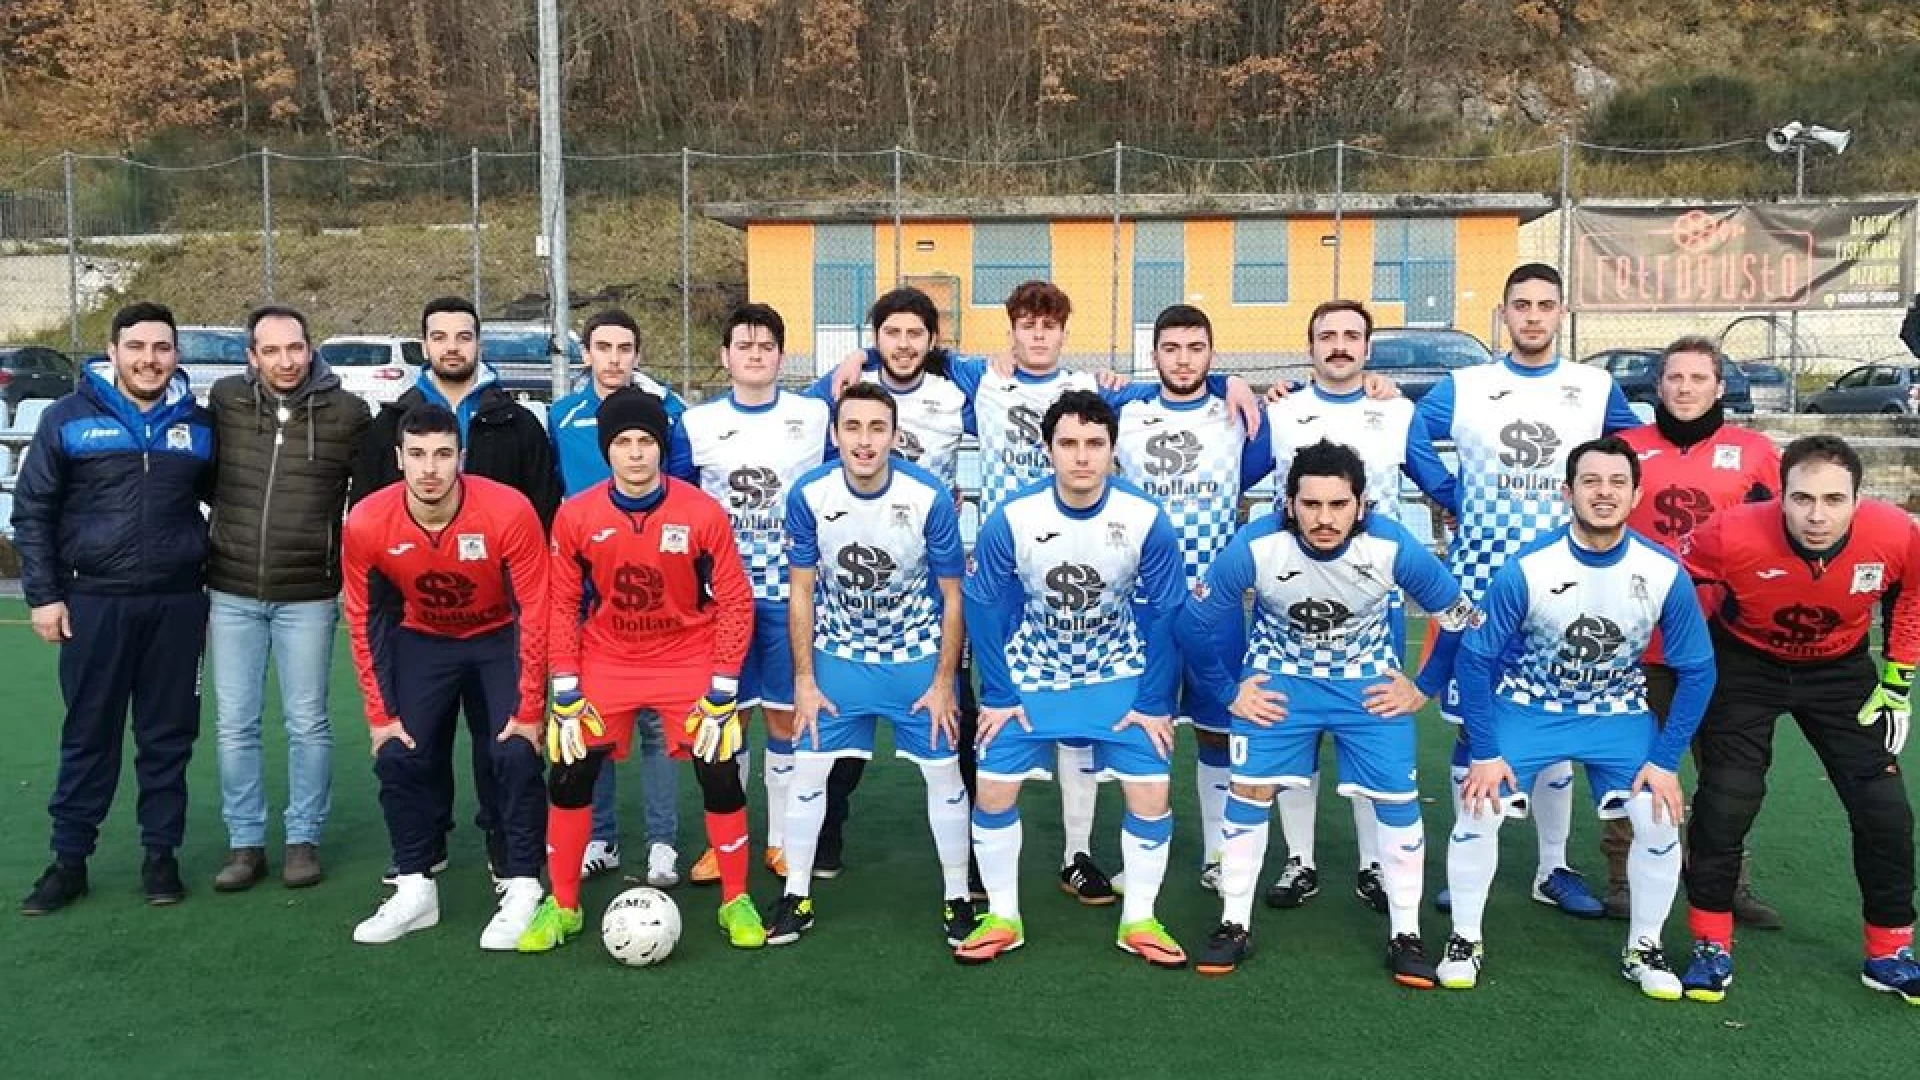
(1824, 256)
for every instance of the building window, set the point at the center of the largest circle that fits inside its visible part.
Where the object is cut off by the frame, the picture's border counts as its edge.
(1407, 250)
(1260, 262)
(1007, 254)
(842, 274)
(1159, 268)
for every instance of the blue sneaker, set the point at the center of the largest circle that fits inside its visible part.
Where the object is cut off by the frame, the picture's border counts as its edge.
(1896, 974)
(1710, 973)
(1568, 891)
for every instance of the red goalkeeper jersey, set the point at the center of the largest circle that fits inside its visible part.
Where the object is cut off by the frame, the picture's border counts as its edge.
(484, 571)
(660, 587)
(1777, 601)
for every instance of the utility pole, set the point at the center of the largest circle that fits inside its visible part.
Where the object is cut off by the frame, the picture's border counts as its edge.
(552, 241)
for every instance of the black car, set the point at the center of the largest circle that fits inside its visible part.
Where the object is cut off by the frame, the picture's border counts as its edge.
(1635, 370)
(1417, 359)
(34, 371)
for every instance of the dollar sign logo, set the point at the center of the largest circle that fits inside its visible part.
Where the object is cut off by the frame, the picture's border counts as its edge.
(908, 445)
(1681, 510)
(1801, 625)
(1024, 425)
(865, 568)
(1317, 616)
(1174, 453)
(442, 590)
(752, 488)
(637, 587)
(1073, 587)
(1590, 639)
(1529, 445)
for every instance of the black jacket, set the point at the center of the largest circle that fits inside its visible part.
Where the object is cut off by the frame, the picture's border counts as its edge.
(504, 442)
(109, 497)
(282, 491)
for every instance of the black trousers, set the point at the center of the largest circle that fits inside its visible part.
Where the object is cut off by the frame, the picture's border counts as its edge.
(1735, 748)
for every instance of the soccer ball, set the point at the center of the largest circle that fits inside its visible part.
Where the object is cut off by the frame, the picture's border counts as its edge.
(640, 927)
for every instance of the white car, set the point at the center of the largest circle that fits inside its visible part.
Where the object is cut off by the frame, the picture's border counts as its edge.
(379, 368)
(210, 353)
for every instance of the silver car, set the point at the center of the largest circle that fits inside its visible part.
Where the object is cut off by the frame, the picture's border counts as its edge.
(1884, 387)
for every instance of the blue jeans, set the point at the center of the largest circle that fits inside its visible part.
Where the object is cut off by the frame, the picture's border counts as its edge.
(659, 784)
(241, 632)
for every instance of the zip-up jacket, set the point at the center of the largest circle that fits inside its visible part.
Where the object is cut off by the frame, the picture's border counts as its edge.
(501, 439)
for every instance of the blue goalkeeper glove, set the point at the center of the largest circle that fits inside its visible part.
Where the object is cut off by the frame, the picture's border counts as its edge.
(714, 723)
(570, 715)
(1890, 704)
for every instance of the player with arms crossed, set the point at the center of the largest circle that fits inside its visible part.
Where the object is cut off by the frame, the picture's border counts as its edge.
(1553, 674)
(446, 601)
(1064, 653)
(651, 613)
(1793, 587)
(1321, 660)
(874, 561)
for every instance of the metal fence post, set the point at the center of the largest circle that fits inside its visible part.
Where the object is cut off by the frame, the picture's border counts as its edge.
(266, 222)
(1113, 322)
(1339, 207)
(1571, 287)
(473, 179)
(899, 249)
(686, 272)
(73, 258)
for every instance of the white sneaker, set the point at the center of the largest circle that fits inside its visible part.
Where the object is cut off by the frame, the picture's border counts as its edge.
(1645, 963)
(1460, 968)
(600, 858)
(414, 905)
(661, 871)
(519, 899)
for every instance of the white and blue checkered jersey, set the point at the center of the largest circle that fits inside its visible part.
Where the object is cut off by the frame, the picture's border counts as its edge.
(1512, 428)
(1383, 433)
(1195, 459)
(747, 457)
(1049, 603)
(933, 414)
(1316, 616)
(1564, 631)
(877, 557)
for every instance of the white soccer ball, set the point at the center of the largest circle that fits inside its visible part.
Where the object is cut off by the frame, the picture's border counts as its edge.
(640, 927)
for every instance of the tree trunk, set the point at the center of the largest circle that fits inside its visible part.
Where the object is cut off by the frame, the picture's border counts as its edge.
(317, 40)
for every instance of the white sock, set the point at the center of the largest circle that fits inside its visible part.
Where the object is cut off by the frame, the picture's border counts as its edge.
(1144, 844)
(1473, 854)
(806, 810)
(1402, 872)
(1298, 808)
(1213, 782)
(1653, 870)
(1552, 811)
(779, 786)
(947, 815)
(1243, 849)
(1456, 783)
(1079, 792)
(996, 847)
(1365, 832)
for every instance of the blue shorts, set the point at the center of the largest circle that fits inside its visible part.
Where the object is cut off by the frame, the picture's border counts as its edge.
(862, 695)
(1198, 708)
(1612, 749)
(1378, 757)
(1079, 717)
(766, 678)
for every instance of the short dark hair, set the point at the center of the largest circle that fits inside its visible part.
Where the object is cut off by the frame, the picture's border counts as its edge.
(428, 418)
(1328, 458)
(1182, 316)
(1085, 406)
(1533, 271)
(906, 300)
(1821, 449)
(1040, 299)
(611, 317)
(1605, 444)
(1692, 343)
(1332, 306)
(144, 311)
(866, 391)
(760, 315)
(275, 311)
(458, 305)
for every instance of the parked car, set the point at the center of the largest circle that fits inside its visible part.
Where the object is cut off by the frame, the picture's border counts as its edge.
(1417, 359)
(1768, 384)
(210, 353)
(1635, 370)
(379, 368)
(34, 371)
(520, 353)
(1885, 387)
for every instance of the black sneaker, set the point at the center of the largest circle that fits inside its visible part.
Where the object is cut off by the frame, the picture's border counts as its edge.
(959, 916)
(1371, 888)
(60, 885)
(1754, 913)
(160, 877)
(1226, 949)
(792, 917)
(1085, 882)
(391, 875)
(976, 889)
(1297, 884)
(829, 858)
(497, 858)
(1407, 959)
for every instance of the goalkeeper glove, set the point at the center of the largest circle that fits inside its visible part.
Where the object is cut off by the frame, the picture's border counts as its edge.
(715, 724)
(570, 713)
(1890, 703)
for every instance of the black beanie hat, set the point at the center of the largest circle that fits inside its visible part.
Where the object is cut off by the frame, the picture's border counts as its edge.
(631, 407)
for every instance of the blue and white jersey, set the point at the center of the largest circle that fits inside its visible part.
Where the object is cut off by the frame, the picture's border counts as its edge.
(877, 556)
(1512, 428)
(933, 414)
(1565, 629)
(747, 457)
(1383, 433)
(1050, 599)
(1195, 459)
(573, 425)
(1008, 412)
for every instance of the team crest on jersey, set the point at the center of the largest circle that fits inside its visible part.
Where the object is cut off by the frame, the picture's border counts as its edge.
(472, 547)
(1116, 534)
(1569, 395)
(179, 438)
(1726, 457)
(1375, 419)
(901, 515)
(796, 429)
(673, 539)
(1868, 577)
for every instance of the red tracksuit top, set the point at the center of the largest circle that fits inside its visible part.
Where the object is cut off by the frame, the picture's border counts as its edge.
(1796, 610)
(658, 588)
(484, 571)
